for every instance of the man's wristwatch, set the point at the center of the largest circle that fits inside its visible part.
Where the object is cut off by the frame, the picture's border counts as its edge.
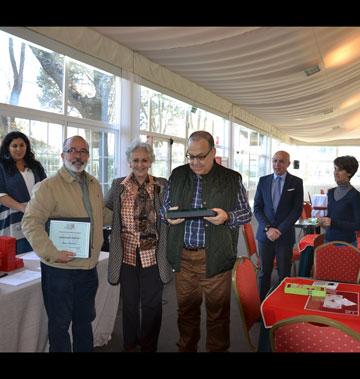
(267, 227)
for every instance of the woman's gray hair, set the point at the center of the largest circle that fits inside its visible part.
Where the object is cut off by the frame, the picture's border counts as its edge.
(137, 144)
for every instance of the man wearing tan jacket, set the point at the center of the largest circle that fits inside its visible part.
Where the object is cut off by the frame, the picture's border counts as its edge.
(69, 284)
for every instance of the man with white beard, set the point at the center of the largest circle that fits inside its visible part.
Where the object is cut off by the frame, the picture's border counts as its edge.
(69, 284)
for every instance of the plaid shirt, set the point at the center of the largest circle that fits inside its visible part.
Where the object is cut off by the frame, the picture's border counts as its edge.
(194, 228)
(194, 235)
(129, 235)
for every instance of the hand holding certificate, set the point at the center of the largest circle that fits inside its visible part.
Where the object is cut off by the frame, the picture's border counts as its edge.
(71, 235)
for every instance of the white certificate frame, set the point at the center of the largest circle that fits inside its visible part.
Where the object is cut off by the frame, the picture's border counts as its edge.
(71, 234)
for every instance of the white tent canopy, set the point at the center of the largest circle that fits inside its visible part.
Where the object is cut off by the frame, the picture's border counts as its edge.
(252, 74)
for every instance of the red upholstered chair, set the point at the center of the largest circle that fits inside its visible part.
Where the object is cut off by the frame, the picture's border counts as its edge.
(313, 240)
(306, 260)
(246, 290)
(251, 247)
(337, 261)
(250, 243)
(306, 212)
(358, 237)
(313, 334)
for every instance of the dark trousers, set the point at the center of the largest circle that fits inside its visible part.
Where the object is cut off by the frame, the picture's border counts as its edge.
(191, 283)
(69, 297)
(141, 290)
(306, 261)
(267, 252)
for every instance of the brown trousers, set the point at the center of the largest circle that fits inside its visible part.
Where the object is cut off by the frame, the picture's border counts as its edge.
(190, 284)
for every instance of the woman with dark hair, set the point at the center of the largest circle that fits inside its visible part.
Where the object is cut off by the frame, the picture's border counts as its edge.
(19, 171)
(343, 218)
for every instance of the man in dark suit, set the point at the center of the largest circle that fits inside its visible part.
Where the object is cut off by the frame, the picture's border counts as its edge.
(277, 206)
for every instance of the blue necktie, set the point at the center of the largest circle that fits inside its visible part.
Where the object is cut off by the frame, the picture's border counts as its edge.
(277, 192)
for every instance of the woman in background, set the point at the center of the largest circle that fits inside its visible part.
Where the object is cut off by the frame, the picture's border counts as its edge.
(343, 217)
(137, 256)
(19, 171)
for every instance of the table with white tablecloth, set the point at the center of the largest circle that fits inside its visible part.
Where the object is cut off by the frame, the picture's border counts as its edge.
(23, 319)
(319, 205)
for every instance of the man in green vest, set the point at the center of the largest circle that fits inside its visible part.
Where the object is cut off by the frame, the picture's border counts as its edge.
(202, 251)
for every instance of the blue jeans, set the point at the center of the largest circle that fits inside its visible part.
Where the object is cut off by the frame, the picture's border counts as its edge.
(69, 296)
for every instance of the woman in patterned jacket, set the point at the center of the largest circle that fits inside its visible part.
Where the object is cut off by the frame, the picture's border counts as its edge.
(138, 249)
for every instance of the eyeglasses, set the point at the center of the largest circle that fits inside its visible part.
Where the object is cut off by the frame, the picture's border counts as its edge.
(199, 157)
(72, 150)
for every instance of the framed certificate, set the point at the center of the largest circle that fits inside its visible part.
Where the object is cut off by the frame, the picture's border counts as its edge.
(70, 234)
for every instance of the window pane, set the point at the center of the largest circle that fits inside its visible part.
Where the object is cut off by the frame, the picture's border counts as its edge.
(178, 155)
(38, 72)
(161, 165)
(46, 141)
(9, 124)
(33, 77)
(145, 109)
(242, 153)
(109, 160)
(95, 148)
(91, 93)
(162, 114)
(315, 176)
(102, 154)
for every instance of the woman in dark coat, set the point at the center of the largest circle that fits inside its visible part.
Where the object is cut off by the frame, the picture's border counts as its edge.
(19, 171)
(343, 214)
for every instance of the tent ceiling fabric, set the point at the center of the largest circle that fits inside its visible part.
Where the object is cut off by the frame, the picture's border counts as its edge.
(261, 69)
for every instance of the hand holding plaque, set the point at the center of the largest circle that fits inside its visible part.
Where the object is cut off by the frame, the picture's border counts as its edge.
(71, 235)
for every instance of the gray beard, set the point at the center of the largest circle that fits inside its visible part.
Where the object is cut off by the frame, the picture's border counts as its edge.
(73, 168)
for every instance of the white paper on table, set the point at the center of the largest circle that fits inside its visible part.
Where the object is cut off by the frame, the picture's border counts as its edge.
(347, 302)
(325, 284)
(333, 301)
(336, 302)
(20, 277)
(30, 257)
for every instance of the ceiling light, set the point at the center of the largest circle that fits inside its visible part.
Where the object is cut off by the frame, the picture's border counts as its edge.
(351, 101)
(344, 54)
(353, 122)
(312, 70)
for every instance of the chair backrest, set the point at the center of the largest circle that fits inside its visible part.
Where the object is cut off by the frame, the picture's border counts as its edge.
(338, 261)
(246, 290)
(306, 211)
(250, 241)
(358, 237)
(319, 240)
(313, 240)
(310, 333)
